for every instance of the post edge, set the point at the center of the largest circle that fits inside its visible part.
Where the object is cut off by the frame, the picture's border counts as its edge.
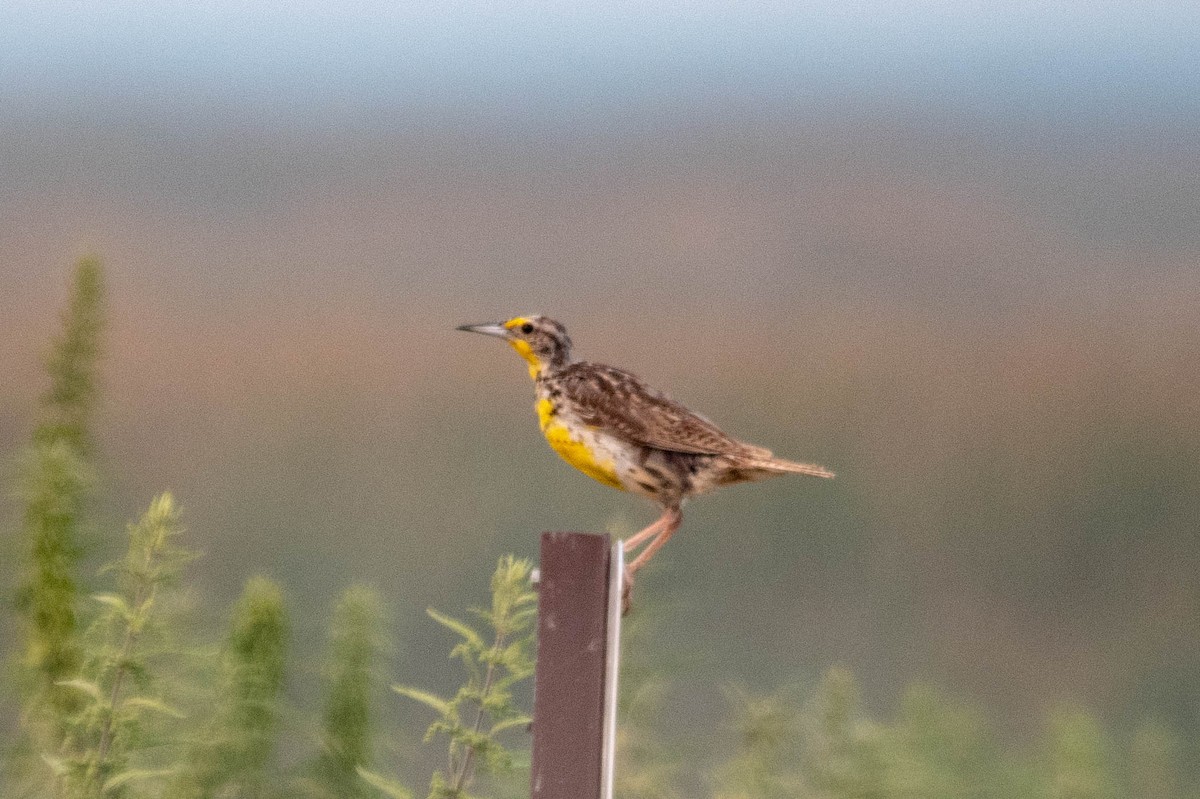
(612, 666)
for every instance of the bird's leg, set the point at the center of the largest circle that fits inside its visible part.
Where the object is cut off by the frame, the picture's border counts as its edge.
(670, 521)
(663, 527)
(637, 539)
(632, 543)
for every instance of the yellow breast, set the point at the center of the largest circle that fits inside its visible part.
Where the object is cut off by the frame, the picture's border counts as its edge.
(574, 449)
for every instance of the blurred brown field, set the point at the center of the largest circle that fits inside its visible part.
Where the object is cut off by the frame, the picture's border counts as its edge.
(989, 333)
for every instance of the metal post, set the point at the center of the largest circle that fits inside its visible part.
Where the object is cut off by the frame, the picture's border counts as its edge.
(574, 696)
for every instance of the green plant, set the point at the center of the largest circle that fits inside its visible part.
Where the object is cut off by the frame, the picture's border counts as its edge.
(346, 735)
(73, 363)
(484, 706)
(841, 752)
(766, 765)
(115, 683)
(234, 753)
(1079, 757)
(55, 481)
(939, 749)
(647, 764)
(1154, 763)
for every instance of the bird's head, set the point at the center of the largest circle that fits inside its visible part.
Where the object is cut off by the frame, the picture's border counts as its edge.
(540, 340)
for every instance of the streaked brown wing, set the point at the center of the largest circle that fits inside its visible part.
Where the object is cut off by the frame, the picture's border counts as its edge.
(620, 403)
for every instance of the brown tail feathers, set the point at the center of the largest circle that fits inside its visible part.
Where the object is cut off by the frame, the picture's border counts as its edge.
(791, 467)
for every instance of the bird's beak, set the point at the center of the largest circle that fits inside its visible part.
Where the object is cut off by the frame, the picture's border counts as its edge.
(496, 329)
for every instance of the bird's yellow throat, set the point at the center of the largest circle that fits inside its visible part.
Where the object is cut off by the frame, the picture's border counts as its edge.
(525, 351)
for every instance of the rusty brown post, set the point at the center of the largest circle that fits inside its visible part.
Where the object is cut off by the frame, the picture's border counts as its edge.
(572, 743)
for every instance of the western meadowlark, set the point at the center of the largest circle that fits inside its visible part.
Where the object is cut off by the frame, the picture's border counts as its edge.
(614, 428)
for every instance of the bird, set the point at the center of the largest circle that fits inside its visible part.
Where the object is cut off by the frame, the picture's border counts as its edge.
(616, 429)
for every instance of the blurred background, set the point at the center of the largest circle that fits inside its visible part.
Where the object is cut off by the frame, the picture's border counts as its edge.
(947, 249)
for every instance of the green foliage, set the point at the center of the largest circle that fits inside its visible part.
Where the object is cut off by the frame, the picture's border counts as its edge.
(233, 756)
(842, 751)
(483, 707)
(120, 708)
(54, 483)
(647, 765)
(823, 748)
(941, 750)
(766, 765)
(346, 744)
(67, 406)
(383, 785)
(1079, 757)
(254, 673)
(826, 748)
(55, 479)
(1153, 763)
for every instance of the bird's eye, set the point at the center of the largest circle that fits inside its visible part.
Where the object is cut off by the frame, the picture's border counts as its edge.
(527, 328)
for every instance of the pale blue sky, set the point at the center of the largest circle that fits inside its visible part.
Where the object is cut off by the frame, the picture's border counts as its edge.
(584, 56)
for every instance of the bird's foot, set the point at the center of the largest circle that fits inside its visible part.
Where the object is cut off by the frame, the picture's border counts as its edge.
(626, 592)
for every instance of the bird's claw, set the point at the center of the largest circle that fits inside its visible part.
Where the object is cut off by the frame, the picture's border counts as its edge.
(626, 591)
